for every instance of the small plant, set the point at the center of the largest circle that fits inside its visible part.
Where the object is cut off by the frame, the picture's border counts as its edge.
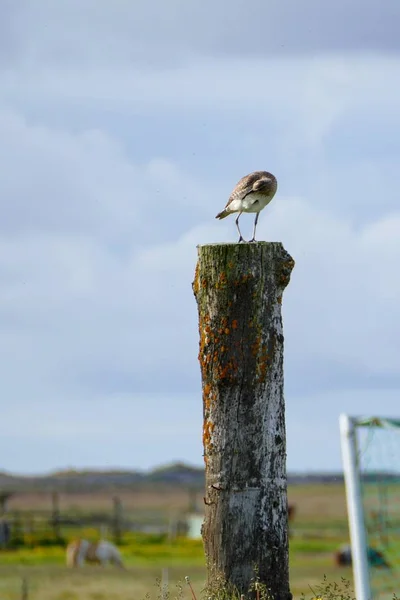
(261, 590)
(190, 585)
(219, 589)
(332, 590)
(164, 593)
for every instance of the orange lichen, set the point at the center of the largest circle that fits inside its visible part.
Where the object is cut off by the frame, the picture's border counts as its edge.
(221, 283)
(256, 346)
(196, 279)
(234, 324)
(227, 371)
(224, 372)
(205, 341)
(208, 398)
(227, 331)
(279, 299)
(208, 428)
(285, 272)
(244, 279)
(262, 366)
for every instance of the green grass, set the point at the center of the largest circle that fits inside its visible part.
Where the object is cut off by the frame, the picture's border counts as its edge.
(145, 557)
(319, 528)
(141, 551)
(91, 583)
(94, 583)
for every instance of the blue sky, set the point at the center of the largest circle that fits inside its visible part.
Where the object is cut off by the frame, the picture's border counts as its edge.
(123, 128)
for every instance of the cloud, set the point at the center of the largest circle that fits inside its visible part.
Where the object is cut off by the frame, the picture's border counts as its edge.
(343, 286)
(159, 124)
(313, 423)
(122, 134)
(155, 34)
(101, 317)
(91, 319)
(124, 431)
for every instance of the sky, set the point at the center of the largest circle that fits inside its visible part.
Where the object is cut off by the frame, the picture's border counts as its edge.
(124, 127)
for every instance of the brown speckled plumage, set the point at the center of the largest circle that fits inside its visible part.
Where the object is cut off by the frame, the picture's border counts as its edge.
(251, 194)
(251, 183)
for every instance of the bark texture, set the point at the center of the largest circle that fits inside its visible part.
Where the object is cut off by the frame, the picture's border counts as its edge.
(238, 288)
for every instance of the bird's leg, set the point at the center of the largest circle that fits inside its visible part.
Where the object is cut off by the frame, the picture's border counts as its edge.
(253, 239)
(241, 239)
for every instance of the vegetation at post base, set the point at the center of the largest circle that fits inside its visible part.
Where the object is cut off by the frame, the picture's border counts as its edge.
(163, 594)
(332, 590)
(220, 590)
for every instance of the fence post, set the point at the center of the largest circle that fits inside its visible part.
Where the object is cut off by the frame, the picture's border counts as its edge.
(117, 519)
(55, 514)
(24, 589)
(103, 531)
(17, 532)
(4, 497)
(164, 584)
(238, 288)
(192, 504)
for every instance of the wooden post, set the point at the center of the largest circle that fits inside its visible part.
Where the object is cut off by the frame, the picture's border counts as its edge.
(4, 497)
(103, 531)
(5, 533)
(117, 520)
(55, 514)
(238, 288)
(164, 584)
(192, 504)
(17, 529)
(24, 589)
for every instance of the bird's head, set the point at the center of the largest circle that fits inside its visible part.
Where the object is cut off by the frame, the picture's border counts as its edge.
(265, 184)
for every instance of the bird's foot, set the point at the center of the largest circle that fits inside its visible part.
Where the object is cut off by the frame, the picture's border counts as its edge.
(252, 240)
(241, 239)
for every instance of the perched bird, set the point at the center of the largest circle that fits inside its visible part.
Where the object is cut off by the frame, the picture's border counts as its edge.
(251, 194)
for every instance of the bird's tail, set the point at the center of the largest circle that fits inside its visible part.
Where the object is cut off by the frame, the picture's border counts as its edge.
(223, 214)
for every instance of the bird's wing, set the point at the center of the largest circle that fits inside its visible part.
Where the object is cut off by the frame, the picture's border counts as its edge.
(261, 184)
(246, 185)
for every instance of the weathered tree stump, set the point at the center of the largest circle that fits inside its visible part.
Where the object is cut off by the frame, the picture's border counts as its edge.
(238, 288)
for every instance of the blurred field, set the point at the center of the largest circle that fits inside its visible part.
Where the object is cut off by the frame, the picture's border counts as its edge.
(50, 580)
(319, 527)
(324, 500)
(160, 498)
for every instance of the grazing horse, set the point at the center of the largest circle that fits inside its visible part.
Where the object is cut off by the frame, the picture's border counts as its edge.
(102, 552)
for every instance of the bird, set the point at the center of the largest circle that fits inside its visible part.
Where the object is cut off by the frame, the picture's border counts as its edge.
(251, 194)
